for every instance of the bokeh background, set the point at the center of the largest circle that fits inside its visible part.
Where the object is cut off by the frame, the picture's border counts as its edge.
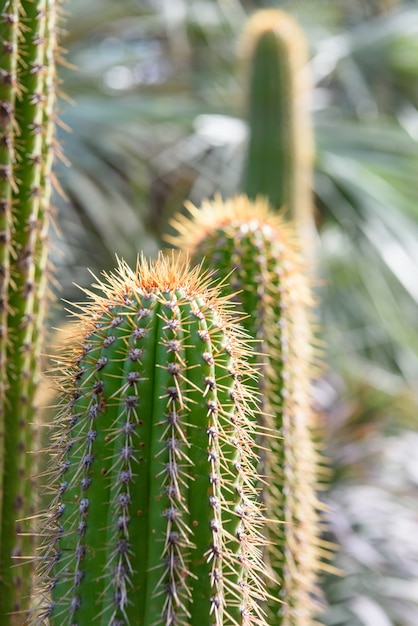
(154, 112)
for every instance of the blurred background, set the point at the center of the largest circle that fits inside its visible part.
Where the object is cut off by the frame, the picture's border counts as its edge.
(155, 113)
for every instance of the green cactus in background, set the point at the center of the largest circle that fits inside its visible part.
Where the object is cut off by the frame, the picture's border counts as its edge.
(280, 149)
(154, 517)
(27, 100)
(272, 292)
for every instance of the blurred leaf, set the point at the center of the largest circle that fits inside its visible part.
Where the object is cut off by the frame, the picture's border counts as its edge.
(373, 507)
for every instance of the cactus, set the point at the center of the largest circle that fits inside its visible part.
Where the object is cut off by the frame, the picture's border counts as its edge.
(272, 291)
(27, 98)
(9, 36)
(280, 151)
(154, 516)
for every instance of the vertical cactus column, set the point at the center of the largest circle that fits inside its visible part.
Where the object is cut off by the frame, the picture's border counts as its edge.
(27, 92)
(154, 517)
(9, 38)
(248, 238)
(280, 149)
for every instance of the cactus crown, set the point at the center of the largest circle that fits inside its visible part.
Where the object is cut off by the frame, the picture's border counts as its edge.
(284, 27)
(154, 518)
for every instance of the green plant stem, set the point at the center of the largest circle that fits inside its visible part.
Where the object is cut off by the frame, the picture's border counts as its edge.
(154, 518)
(8, 43)
(280, 147)
(270, 151)
(29, 201)
(272, 293)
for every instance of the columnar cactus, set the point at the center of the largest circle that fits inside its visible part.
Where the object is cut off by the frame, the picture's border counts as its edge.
(268, 280)
(280, 150)
(27, 99)
(154, 517)
(9, 37)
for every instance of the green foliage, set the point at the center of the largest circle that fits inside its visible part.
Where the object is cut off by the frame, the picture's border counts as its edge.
(370, 437)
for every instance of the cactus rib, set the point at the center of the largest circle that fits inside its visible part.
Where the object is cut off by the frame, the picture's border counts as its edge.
(27, 96)
(9, 36)
(155, 517)
(246, 236)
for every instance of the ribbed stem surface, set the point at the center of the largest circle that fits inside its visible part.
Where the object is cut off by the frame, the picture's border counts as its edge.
(248, 238)
(155, 519)
(27, 96)
(8, 43)
(280, 147)
(270, 159)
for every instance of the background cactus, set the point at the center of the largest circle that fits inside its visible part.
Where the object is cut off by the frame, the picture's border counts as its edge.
(271, 289)
(154, 518)
(280, 146)
(27, 95)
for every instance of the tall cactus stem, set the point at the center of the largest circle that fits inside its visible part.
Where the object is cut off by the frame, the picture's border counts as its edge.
(154, 517)
(42, 263)
(280, 149)
(8, 45)
(272, 291)
(26, 220)
(49, 150)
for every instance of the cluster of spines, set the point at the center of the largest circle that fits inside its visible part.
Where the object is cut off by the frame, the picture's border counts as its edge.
(27, 102)
(155, 516)
(267, 276)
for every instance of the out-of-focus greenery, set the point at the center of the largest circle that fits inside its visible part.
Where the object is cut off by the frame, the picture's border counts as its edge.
(371, 438)
(159, 117)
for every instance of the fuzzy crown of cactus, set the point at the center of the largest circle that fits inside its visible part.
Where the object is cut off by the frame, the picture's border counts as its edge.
(273, 294)
(154, 518)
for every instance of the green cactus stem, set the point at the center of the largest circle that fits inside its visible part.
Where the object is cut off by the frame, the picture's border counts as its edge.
(280, 149)
(250, 239)
(8, 42)
(154, 517)
(27, 95)
(49, 150)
